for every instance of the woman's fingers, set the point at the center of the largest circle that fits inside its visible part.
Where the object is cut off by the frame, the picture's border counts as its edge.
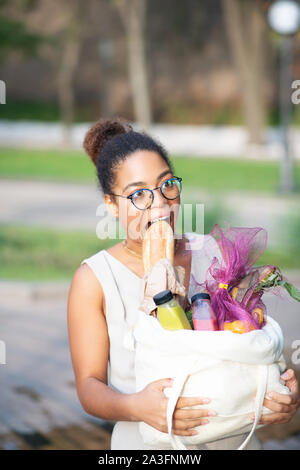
(183, 429)
(274, 418)
(184, 420)
(290, 378)
(292, 383)
(282, 398)
(283, 406)
(190, 414)
(191, 401)
(184, 425)
(277, 407)
(193, 413)
(184, 433)
(163, 383)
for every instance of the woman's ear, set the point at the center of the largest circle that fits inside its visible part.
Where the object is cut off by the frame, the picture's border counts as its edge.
(111, 206)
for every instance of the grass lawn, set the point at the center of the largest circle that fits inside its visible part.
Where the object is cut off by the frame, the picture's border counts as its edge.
(206, 173)
(46, 165)
(43, 254)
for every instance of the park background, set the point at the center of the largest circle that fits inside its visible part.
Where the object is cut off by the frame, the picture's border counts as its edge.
(201, 77)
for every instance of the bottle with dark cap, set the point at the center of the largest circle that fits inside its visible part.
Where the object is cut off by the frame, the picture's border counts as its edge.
(202, 313)
(170, 314)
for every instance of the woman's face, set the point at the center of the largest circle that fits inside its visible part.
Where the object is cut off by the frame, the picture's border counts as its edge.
(143, 170)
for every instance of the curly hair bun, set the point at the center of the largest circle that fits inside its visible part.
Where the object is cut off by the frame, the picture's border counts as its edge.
(100, 133)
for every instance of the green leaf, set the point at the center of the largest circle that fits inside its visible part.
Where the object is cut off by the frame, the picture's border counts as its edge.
(292, 290)
(189, 317)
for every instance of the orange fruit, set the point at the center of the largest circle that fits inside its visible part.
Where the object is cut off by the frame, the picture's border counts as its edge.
(258, 314)
(234, 292)
(237, 326)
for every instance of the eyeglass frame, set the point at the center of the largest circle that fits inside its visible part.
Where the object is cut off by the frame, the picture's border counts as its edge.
(178, 178)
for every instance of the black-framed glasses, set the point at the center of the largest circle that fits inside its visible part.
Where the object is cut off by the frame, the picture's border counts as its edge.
(143, 198)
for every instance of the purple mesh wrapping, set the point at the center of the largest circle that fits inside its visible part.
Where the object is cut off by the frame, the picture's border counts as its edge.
(240, 247)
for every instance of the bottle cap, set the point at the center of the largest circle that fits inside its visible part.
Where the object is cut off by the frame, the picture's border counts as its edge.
(163, 297)
(200, 295)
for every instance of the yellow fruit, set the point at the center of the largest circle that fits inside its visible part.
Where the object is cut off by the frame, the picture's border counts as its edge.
(234, 292)
(237, 326)
(258, 314)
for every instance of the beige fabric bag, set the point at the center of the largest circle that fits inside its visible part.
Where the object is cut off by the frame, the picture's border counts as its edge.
(234, 371)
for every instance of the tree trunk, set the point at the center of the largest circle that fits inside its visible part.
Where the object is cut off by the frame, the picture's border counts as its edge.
(246, 27)
(133, 16)
(106, 59)
(67, 67)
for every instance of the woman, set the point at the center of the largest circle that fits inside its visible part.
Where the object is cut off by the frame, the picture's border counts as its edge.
(139, 185)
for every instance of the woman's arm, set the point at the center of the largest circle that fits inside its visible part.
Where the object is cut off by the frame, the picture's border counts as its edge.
(89, 346)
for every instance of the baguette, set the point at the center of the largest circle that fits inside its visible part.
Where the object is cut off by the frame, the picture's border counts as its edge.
(158, 243)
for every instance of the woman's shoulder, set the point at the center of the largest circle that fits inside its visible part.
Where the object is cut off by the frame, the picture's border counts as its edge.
(86, 275)
(85, 288)
(97, 267)
(94, 258)
(98, 257)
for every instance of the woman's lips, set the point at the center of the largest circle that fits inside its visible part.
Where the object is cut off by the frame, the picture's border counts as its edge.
(167, 217)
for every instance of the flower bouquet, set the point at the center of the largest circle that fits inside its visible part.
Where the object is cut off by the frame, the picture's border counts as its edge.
(235, 286)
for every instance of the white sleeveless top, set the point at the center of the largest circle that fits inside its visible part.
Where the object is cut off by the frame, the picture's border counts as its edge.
(121, 288)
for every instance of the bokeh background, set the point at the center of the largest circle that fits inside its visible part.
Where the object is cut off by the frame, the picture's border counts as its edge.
(201, 77)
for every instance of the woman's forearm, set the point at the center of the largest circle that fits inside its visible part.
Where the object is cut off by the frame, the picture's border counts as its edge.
(99, 400)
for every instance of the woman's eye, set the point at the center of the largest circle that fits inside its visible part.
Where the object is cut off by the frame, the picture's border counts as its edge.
(169, 183)
(139, 193)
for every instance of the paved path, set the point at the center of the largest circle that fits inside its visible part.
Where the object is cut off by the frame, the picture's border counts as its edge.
(54, 205)
(213, 141)
(79, 206)
(39, 407)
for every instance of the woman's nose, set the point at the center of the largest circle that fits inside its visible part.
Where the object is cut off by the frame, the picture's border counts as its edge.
(158, 199)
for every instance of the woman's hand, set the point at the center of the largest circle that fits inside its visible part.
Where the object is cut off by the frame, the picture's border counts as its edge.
(283, 406)
(151, 407)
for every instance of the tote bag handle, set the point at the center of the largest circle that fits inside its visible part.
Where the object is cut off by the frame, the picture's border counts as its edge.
(176, 390)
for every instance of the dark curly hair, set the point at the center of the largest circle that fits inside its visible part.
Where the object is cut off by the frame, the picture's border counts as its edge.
(110, 142)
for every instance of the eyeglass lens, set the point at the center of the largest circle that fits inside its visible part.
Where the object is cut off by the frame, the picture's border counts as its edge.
(170, 189)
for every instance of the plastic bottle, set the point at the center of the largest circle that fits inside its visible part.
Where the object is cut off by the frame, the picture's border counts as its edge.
(202, 313)
(170, 314)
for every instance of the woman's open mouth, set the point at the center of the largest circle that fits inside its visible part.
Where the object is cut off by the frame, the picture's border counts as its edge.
(168, 218)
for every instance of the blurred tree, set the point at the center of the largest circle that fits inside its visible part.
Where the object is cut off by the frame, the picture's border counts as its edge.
(15, 35)
(246, 27)
(106, 54)
(60, 23)
(133, 14)
(67, 64)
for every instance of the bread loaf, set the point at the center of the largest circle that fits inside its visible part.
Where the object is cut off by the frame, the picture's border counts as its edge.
(158, 243)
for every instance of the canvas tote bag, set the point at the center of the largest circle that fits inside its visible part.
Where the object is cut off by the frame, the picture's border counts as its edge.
(234, 370)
